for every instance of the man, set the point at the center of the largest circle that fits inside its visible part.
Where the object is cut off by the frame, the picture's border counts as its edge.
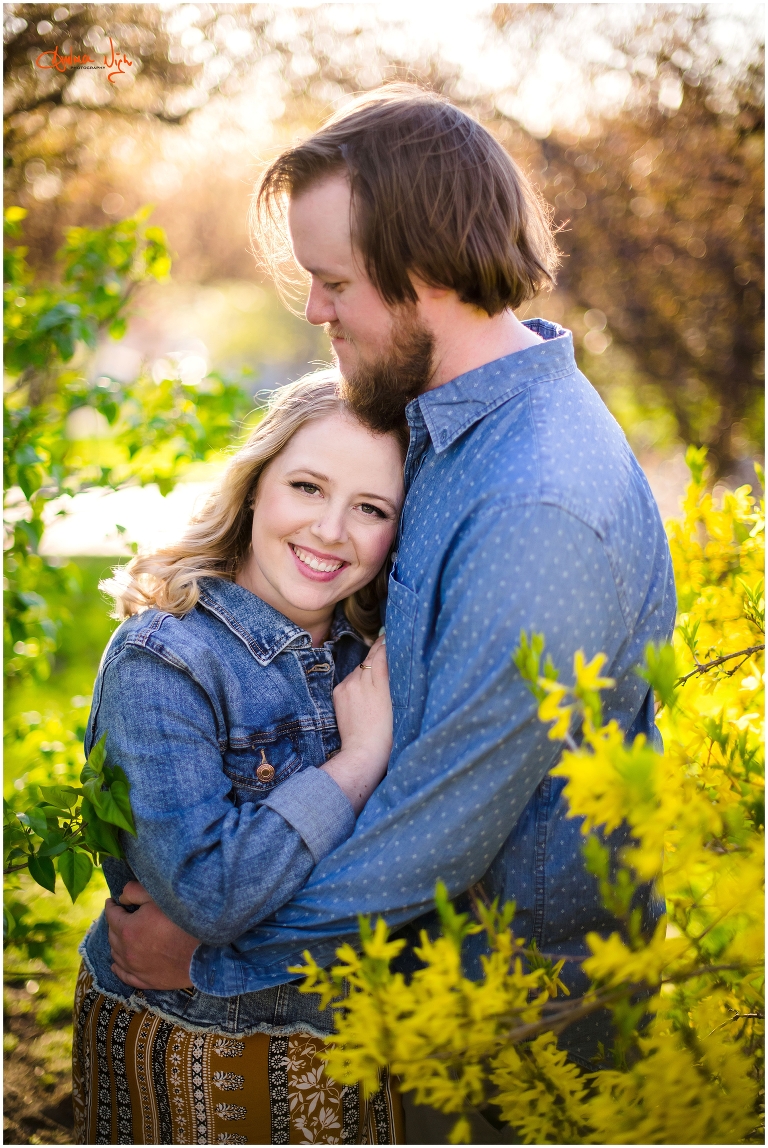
(525, 511)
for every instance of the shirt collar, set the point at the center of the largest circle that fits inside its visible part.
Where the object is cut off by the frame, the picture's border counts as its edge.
(451, 409)
(264, 630)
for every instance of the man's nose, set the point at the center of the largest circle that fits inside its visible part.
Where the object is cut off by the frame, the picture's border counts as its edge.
(320, 308)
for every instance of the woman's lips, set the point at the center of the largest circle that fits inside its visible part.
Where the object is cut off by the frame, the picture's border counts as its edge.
(314, 565)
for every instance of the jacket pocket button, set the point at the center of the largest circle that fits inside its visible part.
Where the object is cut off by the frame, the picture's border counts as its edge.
(265, 772)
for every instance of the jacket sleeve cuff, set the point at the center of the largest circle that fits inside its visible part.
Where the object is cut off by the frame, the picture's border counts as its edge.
(316, 807)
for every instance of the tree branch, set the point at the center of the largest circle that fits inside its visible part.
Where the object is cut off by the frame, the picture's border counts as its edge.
(704, 667)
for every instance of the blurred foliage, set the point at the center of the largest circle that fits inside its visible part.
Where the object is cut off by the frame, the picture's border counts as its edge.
(687, 1000)
(145, 431)
(150, 430)
(178, 60)
(662, 225)
(660, 196)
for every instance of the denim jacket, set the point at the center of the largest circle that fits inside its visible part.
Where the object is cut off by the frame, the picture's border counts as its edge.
(220, 719)
(525, 509)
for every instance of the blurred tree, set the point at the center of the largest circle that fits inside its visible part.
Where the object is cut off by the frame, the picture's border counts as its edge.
(179, 58)
(661, 207)
(661, 199)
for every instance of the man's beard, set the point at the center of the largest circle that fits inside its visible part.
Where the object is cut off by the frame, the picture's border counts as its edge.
(379, 391)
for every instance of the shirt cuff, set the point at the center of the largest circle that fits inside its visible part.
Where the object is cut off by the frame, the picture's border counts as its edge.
(316, 807)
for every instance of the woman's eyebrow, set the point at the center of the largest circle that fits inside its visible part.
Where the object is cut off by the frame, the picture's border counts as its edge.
(381, 498)
(306, 470)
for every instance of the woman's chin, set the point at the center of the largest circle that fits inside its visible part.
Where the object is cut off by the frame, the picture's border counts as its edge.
(316, 598)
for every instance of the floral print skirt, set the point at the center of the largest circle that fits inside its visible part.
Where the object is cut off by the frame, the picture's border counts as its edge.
(140, 1079)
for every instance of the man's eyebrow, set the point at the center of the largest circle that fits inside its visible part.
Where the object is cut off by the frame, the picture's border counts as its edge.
(322, 273)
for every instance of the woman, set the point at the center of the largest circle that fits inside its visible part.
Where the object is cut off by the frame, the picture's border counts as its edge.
(247, 767)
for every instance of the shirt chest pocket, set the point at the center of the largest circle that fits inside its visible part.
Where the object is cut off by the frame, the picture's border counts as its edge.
(256, 761)
(402, 604)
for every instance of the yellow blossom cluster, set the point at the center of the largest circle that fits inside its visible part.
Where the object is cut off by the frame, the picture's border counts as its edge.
(687, 1067)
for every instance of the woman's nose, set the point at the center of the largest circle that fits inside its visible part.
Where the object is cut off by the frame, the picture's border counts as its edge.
(320, 308)
(331, 526)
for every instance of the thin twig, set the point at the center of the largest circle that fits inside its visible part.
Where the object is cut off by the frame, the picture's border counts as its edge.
(738, 1016)
(704, 667)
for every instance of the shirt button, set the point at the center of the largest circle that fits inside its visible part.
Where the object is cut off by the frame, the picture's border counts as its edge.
(265, 772)
(443, 435)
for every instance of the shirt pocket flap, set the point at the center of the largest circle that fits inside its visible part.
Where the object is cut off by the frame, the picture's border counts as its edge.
(402, 605)
(256, 761)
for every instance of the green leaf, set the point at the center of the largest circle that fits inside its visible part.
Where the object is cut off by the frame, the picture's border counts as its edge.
(111, 804)
(696, 460)
(75, 869)
(102, 838)
(62, 313)
(36, 820)
(99, 835)
(41, 870)
(661, 671)
(58, 841)
(60, 796)
(94, 766)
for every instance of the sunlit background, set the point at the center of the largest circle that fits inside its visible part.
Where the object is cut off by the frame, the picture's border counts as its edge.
(640, 123)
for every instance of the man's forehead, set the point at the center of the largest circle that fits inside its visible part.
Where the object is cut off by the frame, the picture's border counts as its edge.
(320, 228)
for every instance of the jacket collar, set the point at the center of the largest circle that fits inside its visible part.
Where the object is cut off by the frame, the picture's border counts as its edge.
(264, 630)
(451, 409)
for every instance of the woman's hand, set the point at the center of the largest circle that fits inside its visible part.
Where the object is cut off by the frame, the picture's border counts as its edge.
(364, 716)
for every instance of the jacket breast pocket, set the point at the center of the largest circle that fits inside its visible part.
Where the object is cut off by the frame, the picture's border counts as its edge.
(255, 762)
(402, 604)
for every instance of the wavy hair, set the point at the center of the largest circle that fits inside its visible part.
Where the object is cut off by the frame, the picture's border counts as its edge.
(433, 195)
(218, 538)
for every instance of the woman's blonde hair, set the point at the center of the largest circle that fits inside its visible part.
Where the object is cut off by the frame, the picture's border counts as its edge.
(218, 539)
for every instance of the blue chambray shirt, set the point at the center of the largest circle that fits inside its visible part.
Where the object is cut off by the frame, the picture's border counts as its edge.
(525, 510)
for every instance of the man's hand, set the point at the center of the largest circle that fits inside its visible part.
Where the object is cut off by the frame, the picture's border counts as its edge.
(148, 950)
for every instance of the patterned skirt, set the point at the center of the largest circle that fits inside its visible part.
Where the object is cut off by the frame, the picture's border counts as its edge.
(139, 1079)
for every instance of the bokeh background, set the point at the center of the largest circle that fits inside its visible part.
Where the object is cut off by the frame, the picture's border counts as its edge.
(642, 125)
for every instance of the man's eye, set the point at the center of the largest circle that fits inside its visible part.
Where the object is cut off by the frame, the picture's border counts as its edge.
(333, 286)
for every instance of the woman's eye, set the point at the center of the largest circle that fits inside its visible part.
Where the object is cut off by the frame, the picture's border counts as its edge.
(375, 511)
(307, 487)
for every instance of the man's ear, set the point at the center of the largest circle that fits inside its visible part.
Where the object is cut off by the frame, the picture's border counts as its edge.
(427, 293)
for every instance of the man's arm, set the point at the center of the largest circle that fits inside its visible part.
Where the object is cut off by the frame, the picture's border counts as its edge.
(453, 795)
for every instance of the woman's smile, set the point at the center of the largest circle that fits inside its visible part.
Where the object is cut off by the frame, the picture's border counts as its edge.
(315, 565)
(339, 485)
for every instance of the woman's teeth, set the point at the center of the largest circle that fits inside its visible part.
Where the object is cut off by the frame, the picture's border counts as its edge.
(315, 563)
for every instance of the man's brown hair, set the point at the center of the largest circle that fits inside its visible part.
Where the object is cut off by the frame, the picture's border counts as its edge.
(433, 194)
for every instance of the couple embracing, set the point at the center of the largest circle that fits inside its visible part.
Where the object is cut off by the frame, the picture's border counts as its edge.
(456, 477)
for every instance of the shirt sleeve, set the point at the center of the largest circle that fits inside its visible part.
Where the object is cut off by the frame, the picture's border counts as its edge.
(212, 867)
(452, 796)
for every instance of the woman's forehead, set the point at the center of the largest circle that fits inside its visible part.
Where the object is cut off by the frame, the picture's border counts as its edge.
(338, 444)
